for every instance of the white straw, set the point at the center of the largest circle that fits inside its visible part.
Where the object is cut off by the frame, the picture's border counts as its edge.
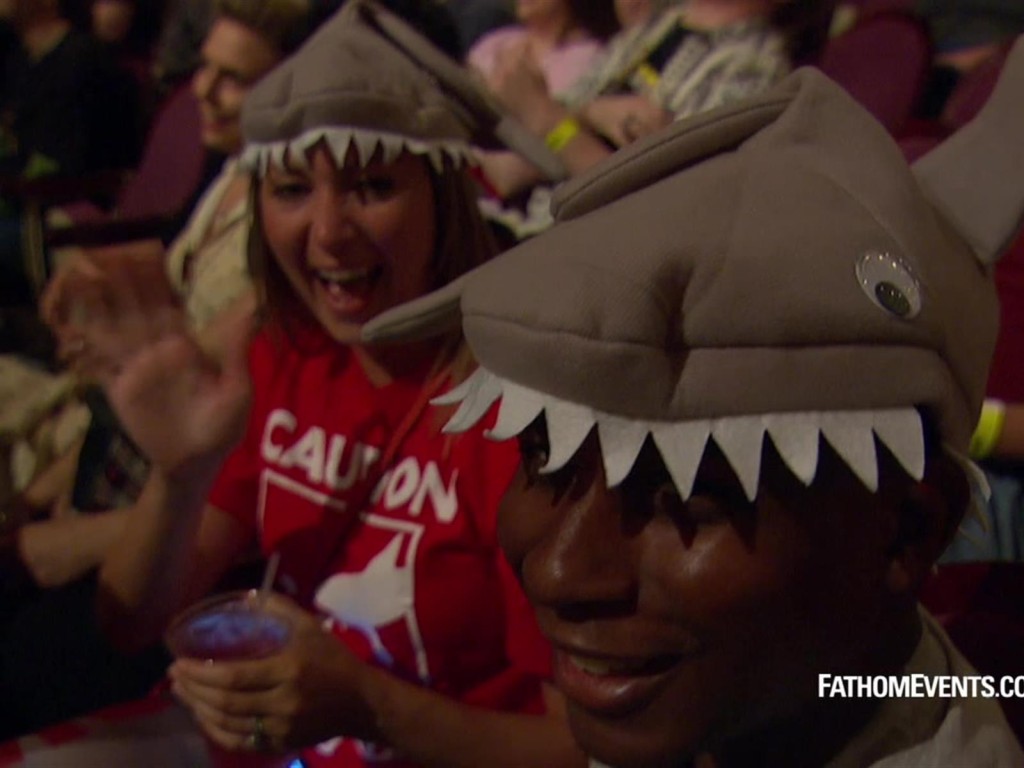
(269, 575)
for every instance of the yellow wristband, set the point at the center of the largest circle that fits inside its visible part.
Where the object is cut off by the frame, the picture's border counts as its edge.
(559, 136)
(989, 429)
(648, 74)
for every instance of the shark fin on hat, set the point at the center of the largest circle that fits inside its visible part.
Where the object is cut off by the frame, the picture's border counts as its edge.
(665, 153)
(974, 177)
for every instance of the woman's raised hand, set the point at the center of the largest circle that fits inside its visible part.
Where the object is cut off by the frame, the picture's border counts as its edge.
(518, 83)
(119, 322)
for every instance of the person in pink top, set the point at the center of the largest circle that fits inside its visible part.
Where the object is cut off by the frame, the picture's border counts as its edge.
(561, 37)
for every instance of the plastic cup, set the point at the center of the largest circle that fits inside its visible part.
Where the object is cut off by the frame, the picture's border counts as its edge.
(231, 626)
(227, 626)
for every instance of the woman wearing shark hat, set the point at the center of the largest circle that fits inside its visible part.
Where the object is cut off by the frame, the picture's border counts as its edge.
(412, 645)
(743, 369)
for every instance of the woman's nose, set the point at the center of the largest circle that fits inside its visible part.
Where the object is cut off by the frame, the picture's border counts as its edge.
(333, 223)
(583, 563)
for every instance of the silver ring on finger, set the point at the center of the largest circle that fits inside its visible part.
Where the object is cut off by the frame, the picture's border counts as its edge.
(257, 739)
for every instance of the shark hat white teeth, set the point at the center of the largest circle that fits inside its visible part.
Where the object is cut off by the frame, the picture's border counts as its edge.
(853, 435)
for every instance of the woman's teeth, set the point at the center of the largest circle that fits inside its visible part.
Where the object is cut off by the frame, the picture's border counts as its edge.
(343, 277)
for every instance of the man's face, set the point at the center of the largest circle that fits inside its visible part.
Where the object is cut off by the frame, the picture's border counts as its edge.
(234, 58)
(679, 626)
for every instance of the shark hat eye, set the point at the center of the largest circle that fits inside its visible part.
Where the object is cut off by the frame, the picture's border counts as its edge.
(889, 283)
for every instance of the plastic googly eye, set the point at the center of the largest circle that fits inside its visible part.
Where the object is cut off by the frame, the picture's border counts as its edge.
(890, 284)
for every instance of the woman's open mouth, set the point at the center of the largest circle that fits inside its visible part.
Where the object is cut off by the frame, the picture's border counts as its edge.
(347, 291)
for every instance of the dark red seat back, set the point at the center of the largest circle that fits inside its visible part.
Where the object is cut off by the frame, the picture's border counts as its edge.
(973, 89)
(883, 62)
(172, 161)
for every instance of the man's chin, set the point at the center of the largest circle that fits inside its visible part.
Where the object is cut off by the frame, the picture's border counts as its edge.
(625, 747)
(216, 141)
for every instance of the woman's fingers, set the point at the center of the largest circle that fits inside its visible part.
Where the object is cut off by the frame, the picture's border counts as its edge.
(229, 702)
(53, 304)
(255, 676)
(234, 733)
(125, 297)
(106, 316)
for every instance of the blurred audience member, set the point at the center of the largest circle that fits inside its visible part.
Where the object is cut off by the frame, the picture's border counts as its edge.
(186, 23)
(59, 550)
(966, 33)
(432, 18)
(554, 44)
(59, 77)
(129, 29)
(561, 38)
(112, 20)
(64, 108)
(475, 18)
(683, 59)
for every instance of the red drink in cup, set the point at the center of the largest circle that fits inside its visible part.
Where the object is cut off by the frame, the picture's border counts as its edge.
(229, 627)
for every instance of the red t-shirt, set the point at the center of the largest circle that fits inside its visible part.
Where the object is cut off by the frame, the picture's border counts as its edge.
(403, 559)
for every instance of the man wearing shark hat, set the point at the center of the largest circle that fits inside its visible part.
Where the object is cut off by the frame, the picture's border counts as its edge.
(743, 370)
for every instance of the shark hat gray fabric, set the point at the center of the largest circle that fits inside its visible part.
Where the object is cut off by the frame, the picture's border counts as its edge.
(774, 267)
(367, 79)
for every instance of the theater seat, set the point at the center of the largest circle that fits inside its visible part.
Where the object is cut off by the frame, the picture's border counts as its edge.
(883, 62)
(145, 201)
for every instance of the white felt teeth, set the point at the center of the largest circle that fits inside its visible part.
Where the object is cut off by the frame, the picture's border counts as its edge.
(476, 396)
(258, 157)
(519, 407)
(741, 440)
(681, 447)
(981, 491)
(796, 436)
(621, 441)
(572, 423)
(466, 390)
(850, 434)
(901, 431)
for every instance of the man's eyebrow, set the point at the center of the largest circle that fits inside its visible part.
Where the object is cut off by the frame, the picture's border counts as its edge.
(225, 70)
(235, 74)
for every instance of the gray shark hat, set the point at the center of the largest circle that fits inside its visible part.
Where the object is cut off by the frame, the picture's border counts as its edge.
(368, 80)
(773, 267)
